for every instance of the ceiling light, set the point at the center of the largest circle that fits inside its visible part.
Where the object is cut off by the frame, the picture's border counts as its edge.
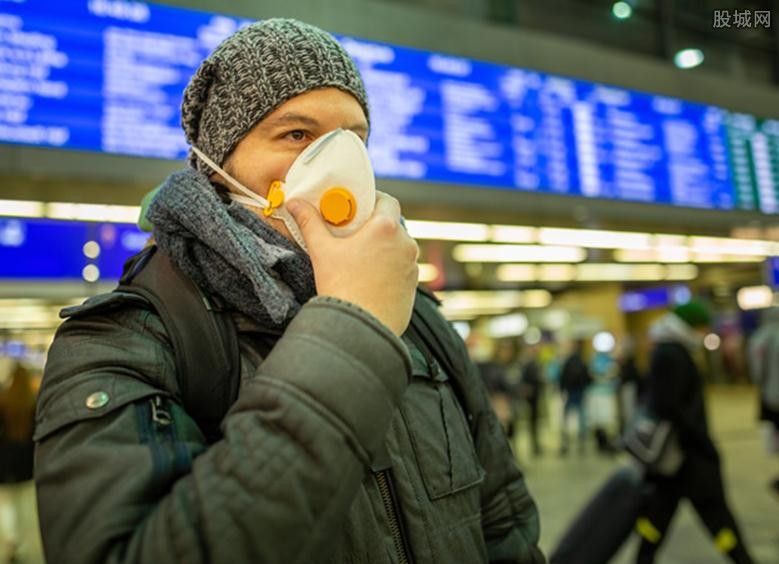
(93, 212)
(467, 314)
(755, 297)
(622, 10)
(556, 272)
(536, 298)
(635, 255)
(730, 246)
(462, 299)
(556, 319)
(688, 58)
(533, 335)
(681, 272)
(594, 238)
(91, 249)
(427, 272)
(659, 254)
(672, 254)
(21, 208)
(535, 273)
(516, 273)
(447, 231)
(512, 325)
(513, 234)
(717, 257)
(463, 329)
(711, 341)
(470, 303)
(603, 342)
(614, 272)
(90, 273)
(518, 253)
(595, 272)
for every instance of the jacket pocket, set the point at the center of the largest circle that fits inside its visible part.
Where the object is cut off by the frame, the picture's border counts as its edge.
(438, 432)
(86, 397)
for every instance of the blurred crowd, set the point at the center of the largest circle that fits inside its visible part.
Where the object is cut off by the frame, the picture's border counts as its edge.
(19, 384)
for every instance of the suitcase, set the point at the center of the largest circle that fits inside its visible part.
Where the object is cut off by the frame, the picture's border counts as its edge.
(600, 528)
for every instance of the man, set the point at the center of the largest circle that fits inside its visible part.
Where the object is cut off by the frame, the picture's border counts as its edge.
(574, 379)
(347, 443)
(675, 393)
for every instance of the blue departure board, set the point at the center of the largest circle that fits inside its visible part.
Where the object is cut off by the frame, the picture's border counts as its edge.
(107, 75)
(654, 298)
(772, 271)
(26, 248)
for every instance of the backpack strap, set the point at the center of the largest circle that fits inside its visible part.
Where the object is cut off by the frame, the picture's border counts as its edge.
(205, 340)
(432, 336)
(203, 336)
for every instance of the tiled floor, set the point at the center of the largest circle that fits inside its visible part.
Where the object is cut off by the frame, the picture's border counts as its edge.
(562, 485)
(19, 525)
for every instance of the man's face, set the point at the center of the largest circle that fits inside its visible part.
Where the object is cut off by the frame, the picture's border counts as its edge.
(269, 149)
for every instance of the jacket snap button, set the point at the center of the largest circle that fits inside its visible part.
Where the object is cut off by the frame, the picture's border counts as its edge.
(97, 400)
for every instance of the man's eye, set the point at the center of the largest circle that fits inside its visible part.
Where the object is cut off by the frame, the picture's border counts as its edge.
(297, 135)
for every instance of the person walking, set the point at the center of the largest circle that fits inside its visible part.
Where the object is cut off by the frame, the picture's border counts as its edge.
(675, 394)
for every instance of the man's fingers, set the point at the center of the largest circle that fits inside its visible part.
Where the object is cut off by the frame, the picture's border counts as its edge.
(387, 206)
(311, 224)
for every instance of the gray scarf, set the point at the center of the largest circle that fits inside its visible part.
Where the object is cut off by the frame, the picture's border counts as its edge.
(230, 252)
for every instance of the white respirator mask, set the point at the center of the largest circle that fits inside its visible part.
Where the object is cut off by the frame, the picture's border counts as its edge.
(334, 174)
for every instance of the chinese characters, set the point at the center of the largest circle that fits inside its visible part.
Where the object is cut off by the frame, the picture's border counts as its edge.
(741, 19)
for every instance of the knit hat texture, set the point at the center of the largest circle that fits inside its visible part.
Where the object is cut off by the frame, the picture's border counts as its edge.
(693, 313)
(253, 72)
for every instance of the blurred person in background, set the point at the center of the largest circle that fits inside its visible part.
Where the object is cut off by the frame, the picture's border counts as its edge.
(675, 393)
(763, 349)
(575, 378)
(531, 388)
(601, 401)
(629, 382)
(500, 375)
(349, 438)
(17, 416)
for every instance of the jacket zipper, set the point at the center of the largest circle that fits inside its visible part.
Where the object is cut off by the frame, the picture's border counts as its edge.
(383, 481)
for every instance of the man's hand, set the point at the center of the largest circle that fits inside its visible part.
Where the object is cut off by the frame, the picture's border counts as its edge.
(375, 267)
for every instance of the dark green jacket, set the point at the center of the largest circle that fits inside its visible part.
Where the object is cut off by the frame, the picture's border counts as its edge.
(124, 474)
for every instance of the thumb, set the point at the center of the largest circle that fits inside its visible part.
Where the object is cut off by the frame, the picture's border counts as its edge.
(311, 224)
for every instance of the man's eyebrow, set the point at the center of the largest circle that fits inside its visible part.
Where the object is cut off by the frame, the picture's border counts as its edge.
(302, 119)
(291, 118)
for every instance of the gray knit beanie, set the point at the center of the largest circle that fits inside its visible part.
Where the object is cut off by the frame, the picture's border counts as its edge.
(253, 72)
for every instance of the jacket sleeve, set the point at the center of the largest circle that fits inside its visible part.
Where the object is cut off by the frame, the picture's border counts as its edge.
(124, 475)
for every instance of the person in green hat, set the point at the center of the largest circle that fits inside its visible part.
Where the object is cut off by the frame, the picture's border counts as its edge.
(675, 393)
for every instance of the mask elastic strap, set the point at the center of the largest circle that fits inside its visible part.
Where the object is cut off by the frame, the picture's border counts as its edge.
(256, 198)
(247, 201)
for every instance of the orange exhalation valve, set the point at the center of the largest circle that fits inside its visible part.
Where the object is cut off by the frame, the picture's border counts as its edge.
(338, 206)
(275, 197)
